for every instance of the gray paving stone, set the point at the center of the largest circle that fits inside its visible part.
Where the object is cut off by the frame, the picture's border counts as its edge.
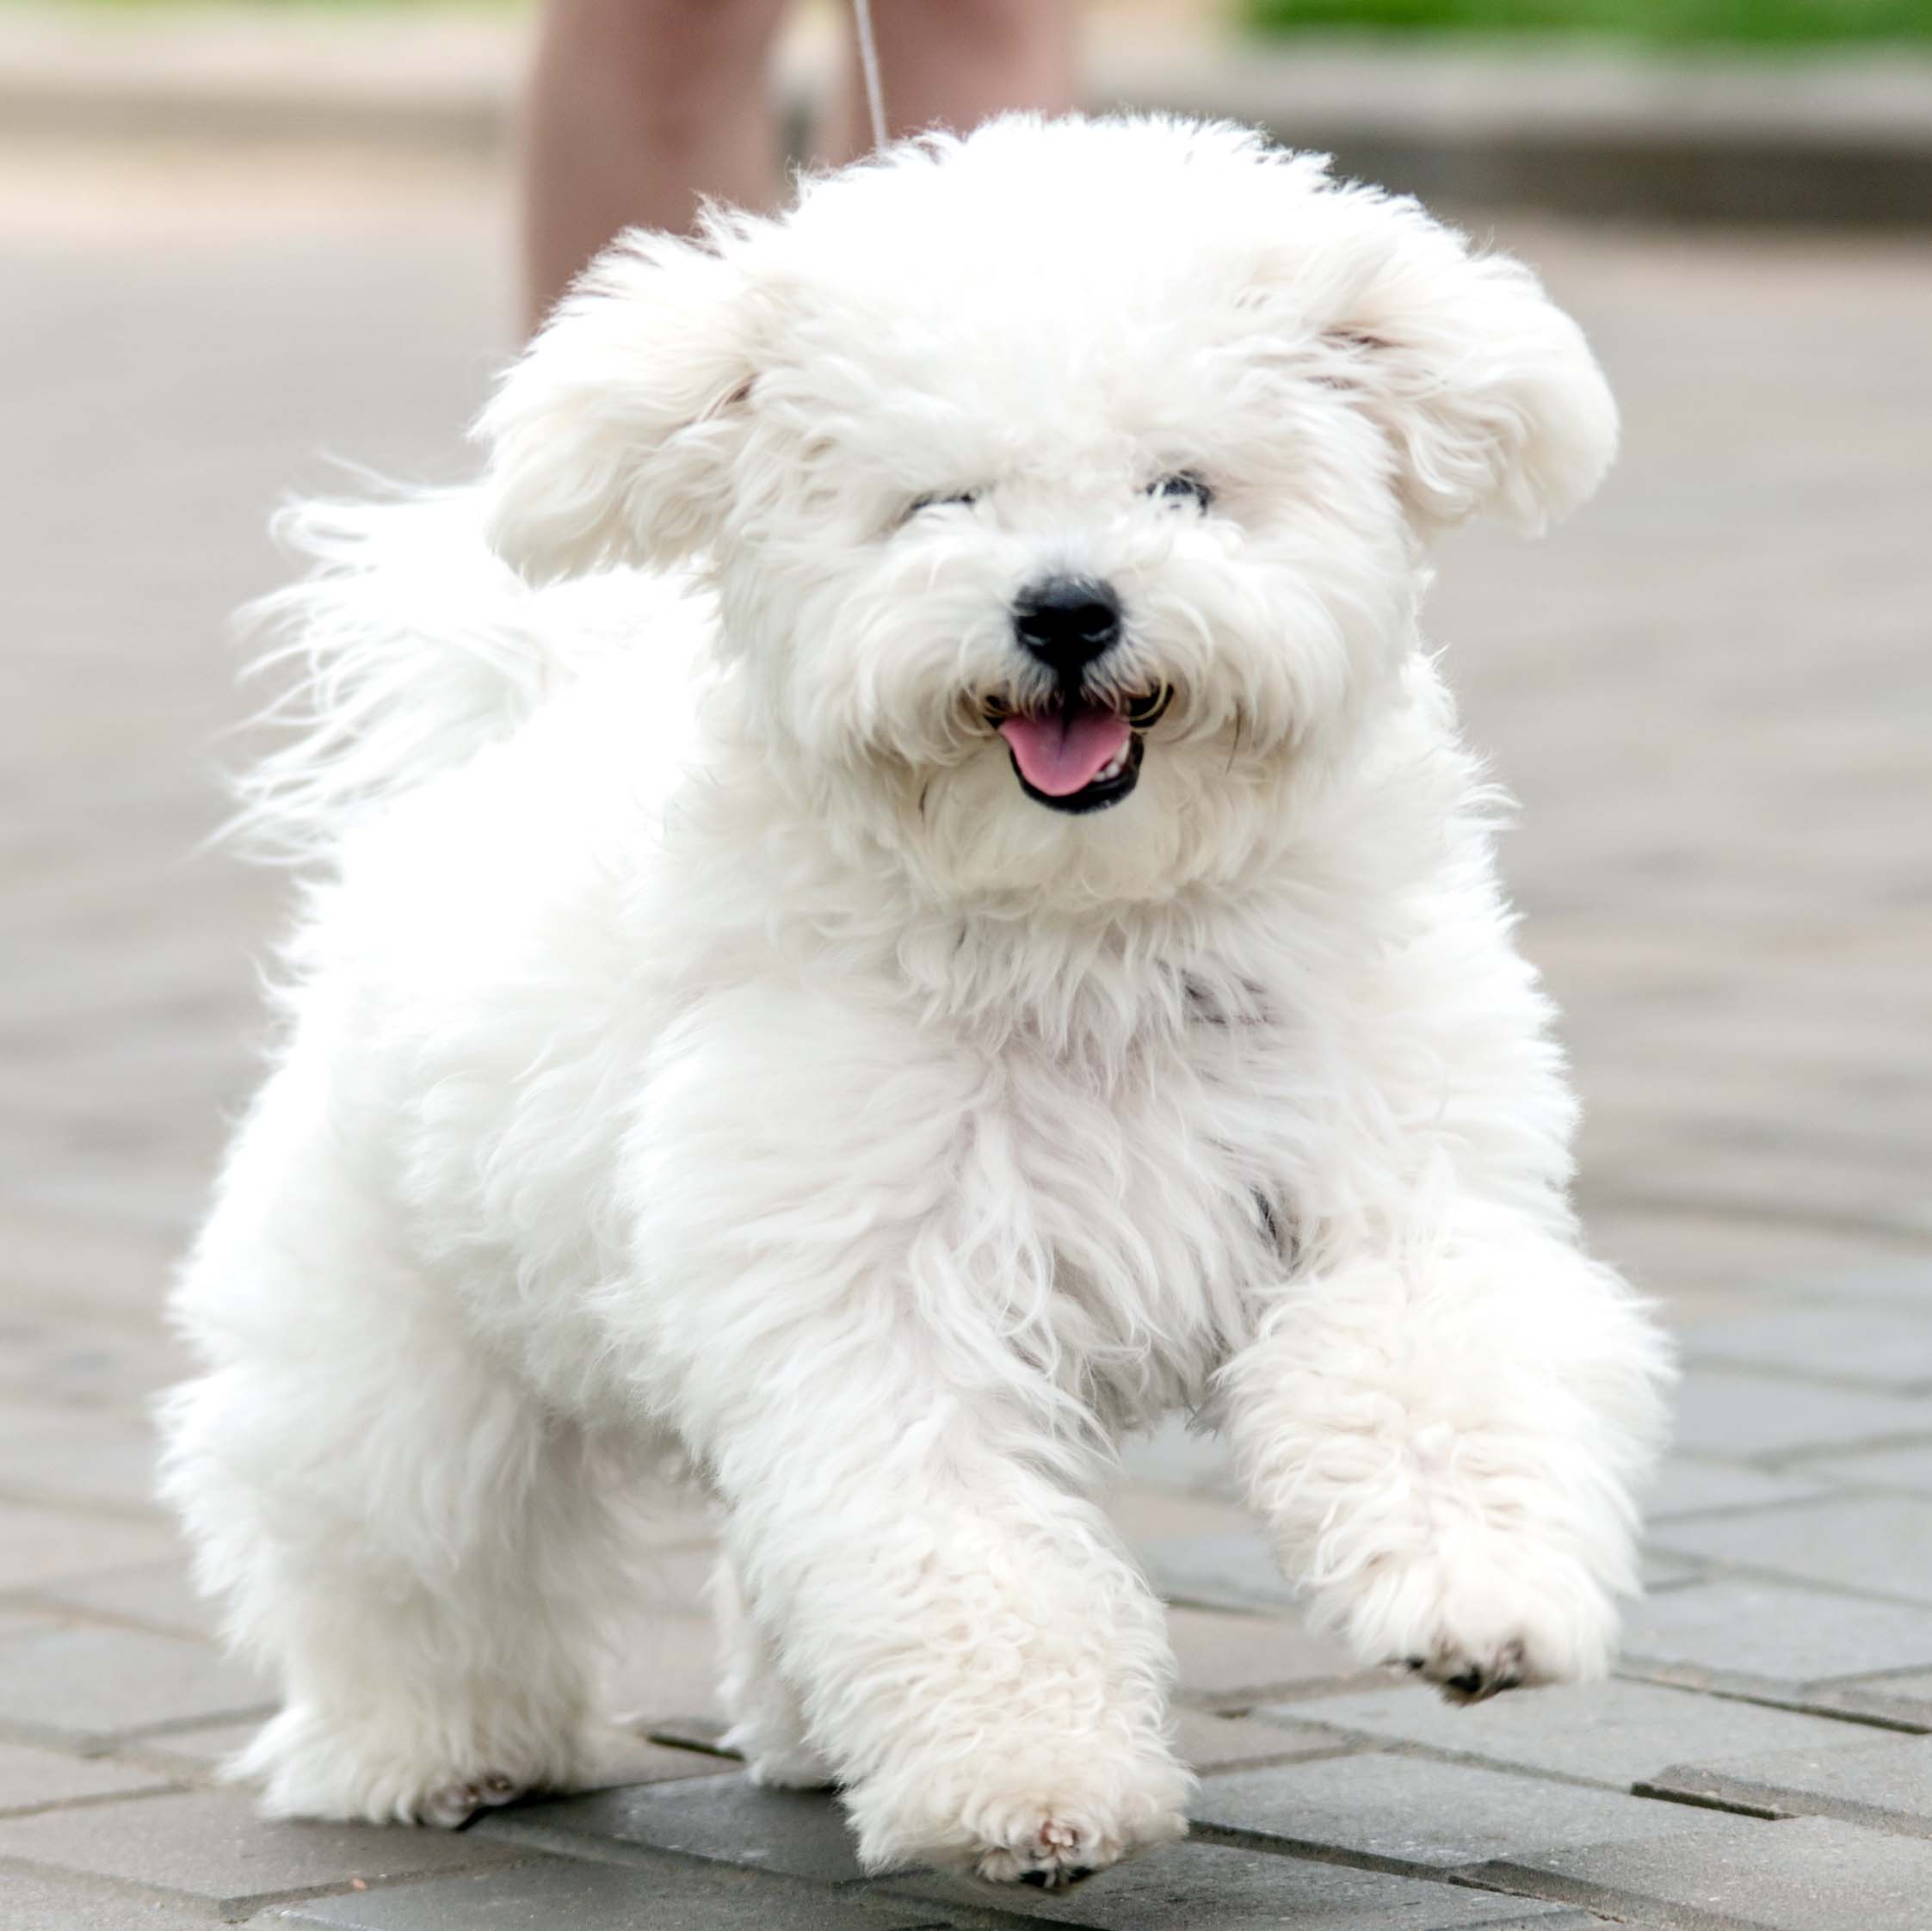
(33, 1780)
(1904, 1702)
(622, 1757)
(698, 1735)
(1412, 1810)
(573, 1894)
(1226, 1656)
(1216, 1571)
(1177, 1457)
(1909, 1469)
(32, 1903)
(41, 1547)
(1206, 1887)
(64, 1264)
(1779, 1631)
(209, 1845)
(195, 1753)
(1885, 1785)
(1739, 1417)
(627, 1759)
(63, 1456)
(1910, 1682)
(1735, 1874)
(1209, 1743)
(1685, 1486)
(1901, 1281)
(1146, 1512)
(1890, 1348)
(1879, 1543)
(91, 1684)
(1614, 1733)
(1660, 1569)
(91, 1365)
(19, 1619)
(156, 1595)
(724, 1818)
(690, 1746)
(728, 1820)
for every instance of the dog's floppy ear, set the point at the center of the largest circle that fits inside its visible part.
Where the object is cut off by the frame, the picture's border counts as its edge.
(1486, 391)
(611, 438)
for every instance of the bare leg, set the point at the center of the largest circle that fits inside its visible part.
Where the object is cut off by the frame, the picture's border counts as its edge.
(954, 63)
(639, 108)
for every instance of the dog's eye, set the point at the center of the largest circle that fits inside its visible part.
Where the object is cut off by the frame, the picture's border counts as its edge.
(963, 499)
(1183, 486)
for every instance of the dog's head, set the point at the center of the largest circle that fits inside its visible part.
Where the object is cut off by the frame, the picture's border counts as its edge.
(1066, 487)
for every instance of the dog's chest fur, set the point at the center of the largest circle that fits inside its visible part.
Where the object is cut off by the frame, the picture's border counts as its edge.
(1143, 1177)
(1116, 1129)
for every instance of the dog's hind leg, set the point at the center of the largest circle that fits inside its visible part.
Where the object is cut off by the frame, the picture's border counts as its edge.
(397, 1529)
(768, 1720)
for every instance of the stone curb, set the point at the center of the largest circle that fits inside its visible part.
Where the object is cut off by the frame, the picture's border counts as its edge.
(1843, 141)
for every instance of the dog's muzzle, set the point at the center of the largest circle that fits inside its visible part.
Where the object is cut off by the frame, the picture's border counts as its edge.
(1071, 751)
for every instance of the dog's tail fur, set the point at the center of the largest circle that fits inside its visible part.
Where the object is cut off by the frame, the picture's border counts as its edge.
(408, 647)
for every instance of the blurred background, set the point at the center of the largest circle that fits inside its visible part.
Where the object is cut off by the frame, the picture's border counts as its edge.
(239, 243)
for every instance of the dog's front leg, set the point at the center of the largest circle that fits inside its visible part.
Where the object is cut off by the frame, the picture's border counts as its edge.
(981, 1670)
(1442, 1434)
(909, 1492)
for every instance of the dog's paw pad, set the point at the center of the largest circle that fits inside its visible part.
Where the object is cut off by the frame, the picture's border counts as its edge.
(452, 1805)
(1053, 1857)
(1463, 1677)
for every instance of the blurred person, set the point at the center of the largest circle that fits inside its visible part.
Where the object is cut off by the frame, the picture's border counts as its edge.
(641, 109)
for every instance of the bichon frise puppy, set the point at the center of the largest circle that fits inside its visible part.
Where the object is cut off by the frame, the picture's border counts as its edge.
(896, 897)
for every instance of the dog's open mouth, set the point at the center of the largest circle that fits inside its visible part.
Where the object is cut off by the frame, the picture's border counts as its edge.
(1073, 754)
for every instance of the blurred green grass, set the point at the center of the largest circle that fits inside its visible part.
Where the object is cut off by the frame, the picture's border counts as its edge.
(1790, 23)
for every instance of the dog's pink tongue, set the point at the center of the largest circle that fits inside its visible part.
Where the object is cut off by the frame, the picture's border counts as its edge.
(1063, 752)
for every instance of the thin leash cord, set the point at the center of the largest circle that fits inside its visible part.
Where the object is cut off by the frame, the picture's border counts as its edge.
(868, 62)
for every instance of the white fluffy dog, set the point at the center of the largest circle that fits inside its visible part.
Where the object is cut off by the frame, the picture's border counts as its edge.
(897, 896)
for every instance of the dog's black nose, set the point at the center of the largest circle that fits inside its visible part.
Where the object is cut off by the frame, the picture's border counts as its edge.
(1066, 622)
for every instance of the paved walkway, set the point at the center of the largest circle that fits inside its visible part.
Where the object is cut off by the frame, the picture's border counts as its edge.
(1713, 694)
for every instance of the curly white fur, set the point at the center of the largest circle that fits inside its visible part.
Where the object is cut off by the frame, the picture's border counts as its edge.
(698, 1044)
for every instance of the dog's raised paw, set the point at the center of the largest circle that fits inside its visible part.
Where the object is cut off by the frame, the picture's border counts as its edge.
(1477, 1627)
(1464, 1677)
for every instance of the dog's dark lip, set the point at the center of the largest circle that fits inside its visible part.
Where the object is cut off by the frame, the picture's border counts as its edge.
(1143, 712)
